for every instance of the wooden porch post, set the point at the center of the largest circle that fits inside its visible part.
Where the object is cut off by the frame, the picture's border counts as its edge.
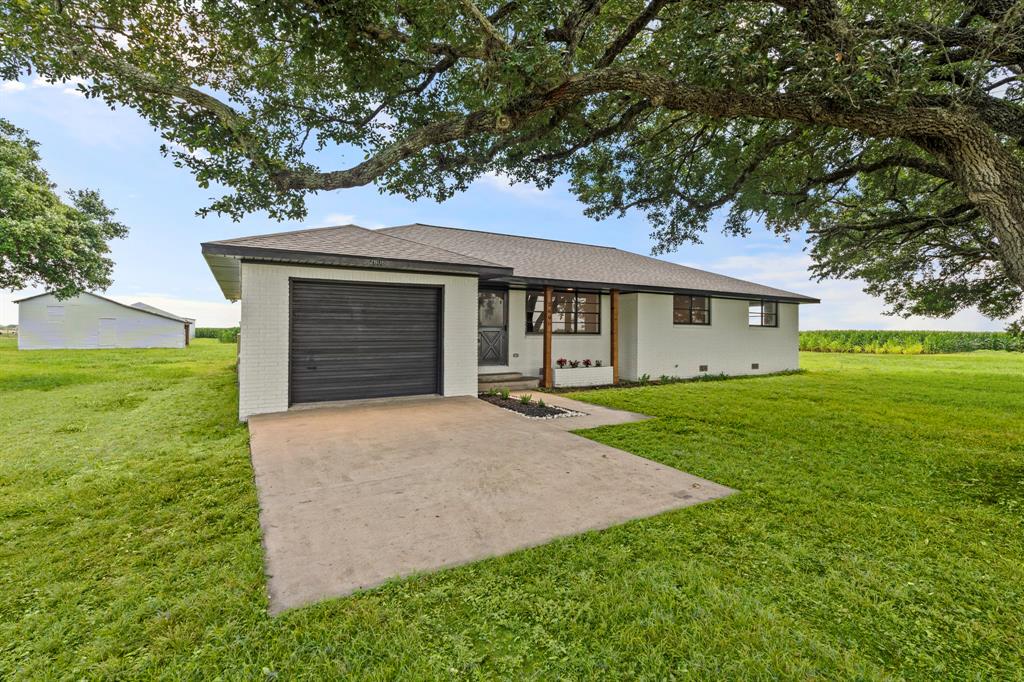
(548, 375)
(615, 336)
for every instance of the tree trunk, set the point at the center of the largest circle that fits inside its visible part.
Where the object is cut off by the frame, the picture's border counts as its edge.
(993, 180)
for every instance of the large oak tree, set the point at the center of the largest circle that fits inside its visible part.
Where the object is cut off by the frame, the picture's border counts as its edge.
(890, 131)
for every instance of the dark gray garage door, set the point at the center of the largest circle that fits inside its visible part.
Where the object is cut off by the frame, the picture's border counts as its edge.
(363, 341)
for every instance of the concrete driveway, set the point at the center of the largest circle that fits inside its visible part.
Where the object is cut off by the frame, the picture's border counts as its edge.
(353, 496)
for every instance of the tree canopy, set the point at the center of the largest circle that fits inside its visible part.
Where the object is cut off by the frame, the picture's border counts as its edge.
(890, 132)
(43, 240)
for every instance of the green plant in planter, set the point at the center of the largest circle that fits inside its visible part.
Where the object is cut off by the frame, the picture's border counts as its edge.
(492, 391)
(540, 403)
(505, 393)
(525, 399)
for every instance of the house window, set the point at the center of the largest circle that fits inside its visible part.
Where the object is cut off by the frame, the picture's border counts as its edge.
(691, 309)
(763, 314)
(572, 312)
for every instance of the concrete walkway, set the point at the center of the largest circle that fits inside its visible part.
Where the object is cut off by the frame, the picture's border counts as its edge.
(353, 496)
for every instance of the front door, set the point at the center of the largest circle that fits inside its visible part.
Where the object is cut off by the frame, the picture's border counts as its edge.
(492, 321)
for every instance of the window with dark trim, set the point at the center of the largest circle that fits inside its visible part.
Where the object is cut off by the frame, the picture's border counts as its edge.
(572, 312)
(763, 314)
(691, 309)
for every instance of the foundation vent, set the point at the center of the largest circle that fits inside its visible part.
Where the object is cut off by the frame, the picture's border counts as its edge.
(702, 368)
(754, 365)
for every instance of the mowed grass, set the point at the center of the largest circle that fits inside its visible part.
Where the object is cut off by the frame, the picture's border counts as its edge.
(877, 533)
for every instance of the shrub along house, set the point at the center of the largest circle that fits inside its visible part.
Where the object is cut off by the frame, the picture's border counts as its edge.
(344, 313)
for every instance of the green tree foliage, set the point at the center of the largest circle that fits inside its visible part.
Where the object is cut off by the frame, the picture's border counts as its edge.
(907, 342)
(43, 240)
(890, 132)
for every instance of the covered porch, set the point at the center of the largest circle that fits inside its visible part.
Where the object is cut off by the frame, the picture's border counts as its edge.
(524, 331)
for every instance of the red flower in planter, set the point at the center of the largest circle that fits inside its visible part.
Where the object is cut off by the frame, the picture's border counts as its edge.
(587, 363)
(561, 362)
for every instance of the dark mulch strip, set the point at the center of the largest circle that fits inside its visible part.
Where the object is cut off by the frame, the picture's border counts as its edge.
(530, 410)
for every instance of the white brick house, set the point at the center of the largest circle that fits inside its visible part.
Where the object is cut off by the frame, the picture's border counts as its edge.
(347, 313)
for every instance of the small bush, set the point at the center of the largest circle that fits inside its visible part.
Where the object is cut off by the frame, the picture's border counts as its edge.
(597, 363)
(525, 399)
(505, 393)
(907, 342)
(644, 379)
(229, 335)
(574, 363)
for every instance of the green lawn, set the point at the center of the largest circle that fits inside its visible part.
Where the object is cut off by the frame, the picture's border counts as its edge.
(879, 532)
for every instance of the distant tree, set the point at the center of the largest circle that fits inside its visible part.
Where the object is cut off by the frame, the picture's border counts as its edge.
(43, 240)
(890, 130)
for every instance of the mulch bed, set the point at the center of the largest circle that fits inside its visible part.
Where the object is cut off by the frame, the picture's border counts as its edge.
(531, 410)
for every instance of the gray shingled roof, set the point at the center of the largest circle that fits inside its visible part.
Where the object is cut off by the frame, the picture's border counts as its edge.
(495, 256)
(545, 259)
(352, 240)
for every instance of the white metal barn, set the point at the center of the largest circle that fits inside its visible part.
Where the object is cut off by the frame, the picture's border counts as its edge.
(92, 321)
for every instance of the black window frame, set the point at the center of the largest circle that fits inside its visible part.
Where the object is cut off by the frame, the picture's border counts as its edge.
(689, 309)
(575, 313)
(760, 315)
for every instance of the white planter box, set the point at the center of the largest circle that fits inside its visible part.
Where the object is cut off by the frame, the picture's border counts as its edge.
(583, 376)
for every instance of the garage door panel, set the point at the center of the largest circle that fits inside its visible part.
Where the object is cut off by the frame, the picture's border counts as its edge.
(352, 341)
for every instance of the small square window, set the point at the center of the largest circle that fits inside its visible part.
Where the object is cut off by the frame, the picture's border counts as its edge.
(688, 309)
(763, 313)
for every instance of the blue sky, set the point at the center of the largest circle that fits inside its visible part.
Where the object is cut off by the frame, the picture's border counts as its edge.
(86, 145)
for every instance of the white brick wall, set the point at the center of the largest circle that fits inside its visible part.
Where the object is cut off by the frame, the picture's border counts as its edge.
(649, 343)
(263, 362)
(728, 345)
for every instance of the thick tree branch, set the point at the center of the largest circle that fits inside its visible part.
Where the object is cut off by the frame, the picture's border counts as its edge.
(717, 103)
(895, 161)
(631, 31)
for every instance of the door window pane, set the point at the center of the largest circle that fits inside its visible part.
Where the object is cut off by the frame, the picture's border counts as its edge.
(492, 309)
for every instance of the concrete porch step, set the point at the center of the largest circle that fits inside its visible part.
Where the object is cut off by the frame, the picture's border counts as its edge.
(518, 384)
(499, 376)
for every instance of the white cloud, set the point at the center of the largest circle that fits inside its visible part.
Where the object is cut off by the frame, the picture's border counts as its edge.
(502, 183)
(12, 86)
(206, 313)
(198, 153)
(333, 219)
(40, 82)
(844, 305)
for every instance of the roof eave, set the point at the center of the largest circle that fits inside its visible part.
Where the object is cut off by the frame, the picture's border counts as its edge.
(222, 258)
(658, 289)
